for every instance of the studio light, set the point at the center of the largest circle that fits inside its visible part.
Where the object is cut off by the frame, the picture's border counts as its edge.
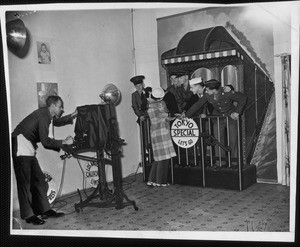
(110, 94)
(16, 35)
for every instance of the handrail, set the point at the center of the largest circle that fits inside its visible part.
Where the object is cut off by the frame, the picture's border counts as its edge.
(219, 146)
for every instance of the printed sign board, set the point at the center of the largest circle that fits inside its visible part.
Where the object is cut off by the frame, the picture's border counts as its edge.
(52, 188)
(91, 173)
(185, 132)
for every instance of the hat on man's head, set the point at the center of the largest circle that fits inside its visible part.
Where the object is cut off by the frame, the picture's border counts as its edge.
(181, 73)
(137, 79)
(158, 93)
(197, 80)
(172, 74)
(212, 83)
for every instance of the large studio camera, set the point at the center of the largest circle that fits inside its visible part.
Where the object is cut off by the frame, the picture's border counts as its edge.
(93, 127)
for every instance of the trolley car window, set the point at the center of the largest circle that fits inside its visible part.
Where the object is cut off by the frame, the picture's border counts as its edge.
(205, 73)
(229, 76)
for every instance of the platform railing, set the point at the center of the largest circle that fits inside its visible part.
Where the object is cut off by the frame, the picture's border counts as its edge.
(212, 150)
(146, 149)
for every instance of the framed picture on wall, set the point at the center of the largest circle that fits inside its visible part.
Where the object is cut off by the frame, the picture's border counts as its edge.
(44, 56)
(45, 89)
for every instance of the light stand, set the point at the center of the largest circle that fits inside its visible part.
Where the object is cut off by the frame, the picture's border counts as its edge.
(113, 150)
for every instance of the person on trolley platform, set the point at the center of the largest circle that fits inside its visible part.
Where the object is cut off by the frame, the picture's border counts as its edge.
(197, 87)
(223, 105)
(161, 141)
(138, 98)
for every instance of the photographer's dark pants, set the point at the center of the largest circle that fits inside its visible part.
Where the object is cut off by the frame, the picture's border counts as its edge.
(31, 184)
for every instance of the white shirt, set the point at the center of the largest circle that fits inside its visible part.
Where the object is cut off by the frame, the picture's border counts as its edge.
(51, 134)
(25, 147)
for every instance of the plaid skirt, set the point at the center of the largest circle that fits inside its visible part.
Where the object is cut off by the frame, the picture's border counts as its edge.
(161, 140)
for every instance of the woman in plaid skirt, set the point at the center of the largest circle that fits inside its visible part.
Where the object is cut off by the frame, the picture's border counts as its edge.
(162, 145)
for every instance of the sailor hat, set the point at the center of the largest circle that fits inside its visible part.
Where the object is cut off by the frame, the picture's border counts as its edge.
(158, 93)
(197, 80)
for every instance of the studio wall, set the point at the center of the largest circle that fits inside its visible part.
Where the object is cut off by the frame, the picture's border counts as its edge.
(90, 48)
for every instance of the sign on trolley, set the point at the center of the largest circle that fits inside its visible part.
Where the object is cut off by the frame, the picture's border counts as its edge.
(185, 132)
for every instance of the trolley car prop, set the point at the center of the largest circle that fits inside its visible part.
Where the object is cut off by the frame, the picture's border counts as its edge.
(215, 53)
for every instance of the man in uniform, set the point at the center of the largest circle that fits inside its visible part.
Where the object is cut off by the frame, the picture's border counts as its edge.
(138, 98)
(222, 103)
(197, 87)
(173, 81)
(139, 105)
(175, 89)
(183, 94)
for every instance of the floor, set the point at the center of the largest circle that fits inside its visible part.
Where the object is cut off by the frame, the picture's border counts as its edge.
(261, 207)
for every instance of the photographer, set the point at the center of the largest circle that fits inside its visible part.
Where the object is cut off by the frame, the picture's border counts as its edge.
(31, 184)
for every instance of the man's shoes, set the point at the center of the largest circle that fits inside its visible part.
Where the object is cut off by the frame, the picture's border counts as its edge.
(35, 220)
(51, 214)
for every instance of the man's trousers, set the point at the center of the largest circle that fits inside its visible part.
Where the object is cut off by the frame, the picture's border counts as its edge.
(31, 184)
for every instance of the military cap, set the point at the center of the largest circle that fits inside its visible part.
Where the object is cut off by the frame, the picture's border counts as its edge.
(181, 73)
(172, 73)
(212, 83)
(137, 79)
(197, 80)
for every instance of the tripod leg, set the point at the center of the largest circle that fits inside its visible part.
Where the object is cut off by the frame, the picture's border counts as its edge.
(130, 201)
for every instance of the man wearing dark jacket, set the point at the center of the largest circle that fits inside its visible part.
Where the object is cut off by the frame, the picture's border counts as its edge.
(197, 87)
(222, 103)
(183, 93)
(31, 184)
(138, 98)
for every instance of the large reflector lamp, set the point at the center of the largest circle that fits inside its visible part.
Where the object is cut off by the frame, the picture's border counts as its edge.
(16, 35)
(110, 94)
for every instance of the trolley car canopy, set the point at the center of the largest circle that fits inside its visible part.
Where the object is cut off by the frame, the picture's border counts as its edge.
(204, 44)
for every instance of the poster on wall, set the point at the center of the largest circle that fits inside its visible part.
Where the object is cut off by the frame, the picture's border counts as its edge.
(45, 89)
(44, 54)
